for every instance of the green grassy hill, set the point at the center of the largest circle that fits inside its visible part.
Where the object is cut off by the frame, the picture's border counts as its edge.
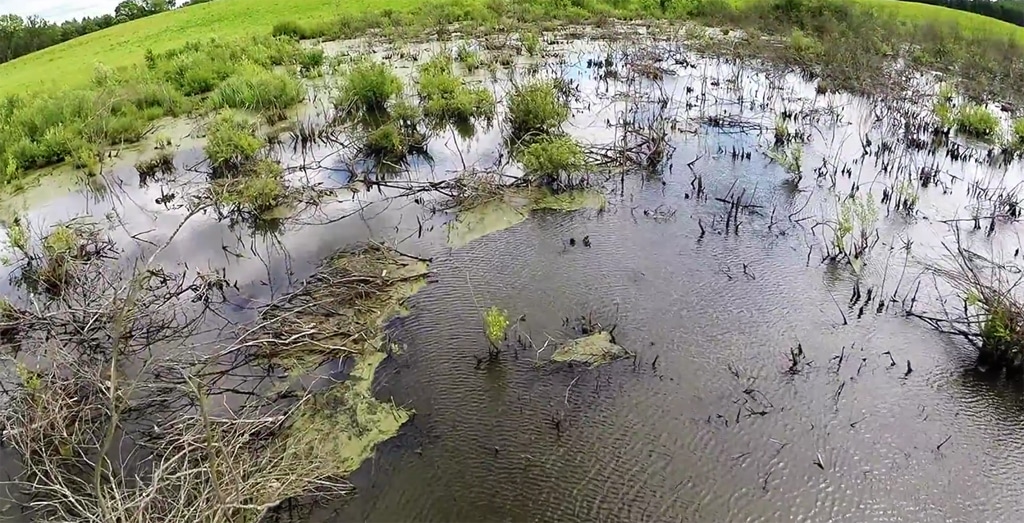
(72, 63)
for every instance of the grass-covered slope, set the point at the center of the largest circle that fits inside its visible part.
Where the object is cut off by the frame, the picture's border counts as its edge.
(72, 63)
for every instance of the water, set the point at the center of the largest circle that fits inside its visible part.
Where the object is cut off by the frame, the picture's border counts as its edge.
(707, 424)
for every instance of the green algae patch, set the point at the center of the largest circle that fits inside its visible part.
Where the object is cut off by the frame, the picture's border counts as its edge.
(513, 206)
(571, 201)
(342, 426)
(35, 189)
(594, 350)
(487, 218)
(339, 314)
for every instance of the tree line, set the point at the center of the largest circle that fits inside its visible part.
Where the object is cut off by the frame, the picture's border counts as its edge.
(20, 36)
(1006, 10)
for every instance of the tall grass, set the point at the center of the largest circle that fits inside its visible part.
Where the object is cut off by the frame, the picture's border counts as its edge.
(232, 143)
(368, 86)
(537, 109)
(257, 89)
(977, 121)
(447, 98)
(120, 106)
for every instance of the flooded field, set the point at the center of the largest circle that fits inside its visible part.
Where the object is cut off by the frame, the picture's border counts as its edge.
(761, 248)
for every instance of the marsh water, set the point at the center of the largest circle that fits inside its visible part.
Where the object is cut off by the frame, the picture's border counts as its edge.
(706, 423)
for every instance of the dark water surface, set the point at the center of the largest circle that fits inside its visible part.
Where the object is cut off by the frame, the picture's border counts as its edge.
(706, 424)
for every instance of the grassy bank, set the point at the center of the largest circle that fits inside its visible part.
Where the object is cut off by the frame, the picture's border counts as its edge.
(105, 88)
(72, 63)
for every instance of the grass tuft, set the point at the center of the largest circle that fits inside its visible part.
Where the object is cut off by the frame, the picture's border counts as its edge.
(555, 162)
(1017, 132)
(495, 325)
(446, 97)
(368, 86)
(531, 43)
(386, 142)
(536, 109)
(232, 143)
(256, 193)
(158, 167)
(259, 90)
(977, 121)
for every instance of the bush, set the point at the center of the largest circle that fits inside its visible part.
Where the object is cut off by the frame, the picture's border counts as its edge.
(804, 46)
(61, 248)
(943, 107)
(386, 142)
(531, 43)
(199, 67)
(18, 235)
(150, 95)
(232, 143)
(311, 61)
(495, 325)
(536, 109)
(256, 89)
(261, 191)
(368, 86)
(1018, 134)
(406, 115)
(87, 158)
(70, 125)
(447, 98)
(293, 29)
(469, 58)
(977, 121)
(554, 162)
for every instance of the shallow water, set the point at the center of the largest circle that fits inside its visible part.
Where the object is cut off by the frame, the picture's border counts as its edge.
(705, 424)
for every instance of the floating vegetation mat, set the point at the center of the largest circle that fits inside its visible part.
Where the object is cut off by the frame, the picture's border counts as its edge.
(339, 314)
(513, 206)
(596, 349)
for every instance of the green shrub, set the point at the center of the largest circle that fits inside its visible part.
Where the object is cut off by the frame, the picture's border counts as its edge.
(536, 109)
(261, 191)
(70, 125)
(1017, 140)
(196, 73)
(531, 43)
(293, 29)
(62, 242)
(977, 121)
(199, 67)
(446, 97)
(804, 46)
(128, 125)
(386, 142)
(468, 58)
(406, 115)
(232, 143)
(17, 235)
(552, 158)
(86, 157)
(61, 248)
(495, 325)
(943, 107)
(368, 86)
(256, 89)
(311, 61)
(149, 95)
